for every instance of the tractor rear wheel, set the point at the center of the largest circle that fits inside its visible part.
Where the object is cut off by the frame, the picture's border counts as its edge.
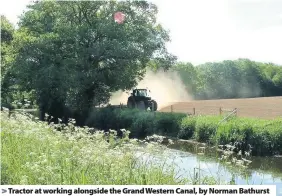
(154, 106)
(130, 104)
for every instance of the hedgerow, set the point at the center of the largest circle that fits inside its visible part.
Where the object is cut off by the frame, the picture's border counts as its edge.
(261, 137)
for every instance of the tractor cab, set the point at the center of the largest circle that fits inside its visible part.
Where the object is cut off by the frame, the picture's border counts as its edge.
(141, 93)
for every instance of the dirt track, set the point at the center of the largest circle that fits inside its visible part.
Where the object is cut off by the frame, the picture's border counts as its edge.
(266, 107)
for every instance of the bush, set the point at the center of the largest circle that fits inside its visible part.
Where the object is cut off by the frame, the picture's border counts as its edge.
(140, 123)
(124, 118)
(187, 128)
(102, 118)
(168, 124)
(266, 137)
(263, 137)
(206, 127)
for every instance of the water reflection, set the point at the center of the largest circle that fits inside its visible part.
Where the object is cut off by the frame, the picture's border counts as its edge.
(266, 171)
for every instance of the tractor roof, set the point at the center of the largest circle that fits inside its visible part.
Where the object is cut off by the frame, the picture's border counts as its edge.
(140, 89)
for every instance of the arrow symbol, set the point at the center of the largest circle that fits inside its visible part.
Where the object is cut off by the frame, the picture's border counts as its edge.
(4, 190)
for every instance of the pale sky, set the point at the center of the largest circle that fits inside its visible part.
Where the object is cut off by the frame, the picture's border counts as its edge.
(211, 30)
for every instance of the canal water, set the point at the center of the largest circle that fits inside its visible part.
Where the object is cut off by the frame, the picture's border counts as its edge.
(188, 163)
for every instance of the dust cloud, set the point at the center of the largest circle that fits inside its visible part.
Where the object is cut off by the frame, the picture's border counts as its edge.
(249, 89)
(165, 87)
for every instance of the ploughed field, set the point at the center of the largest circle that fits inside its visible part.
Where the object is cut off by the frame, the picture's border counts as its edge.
(264, 107)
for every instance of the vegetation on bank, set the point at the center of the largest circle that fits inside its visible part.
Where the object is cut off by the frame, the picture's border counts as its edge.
(140, 123)
(256, 136)
(34, 152)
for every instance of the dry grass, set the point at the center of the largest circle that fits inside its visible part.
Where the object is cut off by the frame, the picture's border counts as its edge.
(266, 107)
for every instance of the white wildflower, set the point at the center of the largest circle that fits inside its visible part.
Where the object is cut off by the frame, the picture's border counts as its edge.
(24, 180)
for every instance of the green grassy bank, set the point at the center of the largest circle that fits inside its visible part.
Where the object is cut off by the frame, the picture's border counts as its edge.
(260, 137)
(34, 152)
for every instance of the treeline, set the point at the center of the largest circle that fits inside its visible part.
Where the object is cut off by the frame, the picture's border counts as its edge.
(228, 79)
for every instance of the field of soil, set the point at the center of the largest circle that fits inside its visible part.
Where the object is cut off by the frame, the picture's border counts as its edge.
(265, 107)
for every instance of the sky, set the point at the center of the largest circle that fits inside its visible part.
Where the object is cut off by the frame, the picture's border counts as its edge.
(210, 30)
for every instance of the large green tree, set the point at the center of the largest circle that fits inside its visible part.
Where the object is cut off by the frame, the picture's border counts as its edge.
(7, 32)
(7, 87)
(73, 54)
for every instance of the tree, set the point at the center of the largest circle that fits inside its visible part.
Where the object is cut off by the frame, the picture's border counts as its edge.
(7, 32)
(74, 54)
(188, 75)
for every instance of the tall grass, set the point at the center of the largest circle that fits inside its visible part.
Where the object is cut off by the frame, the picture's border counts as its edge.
(260, 137)
(140, 123)
(36, 153)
